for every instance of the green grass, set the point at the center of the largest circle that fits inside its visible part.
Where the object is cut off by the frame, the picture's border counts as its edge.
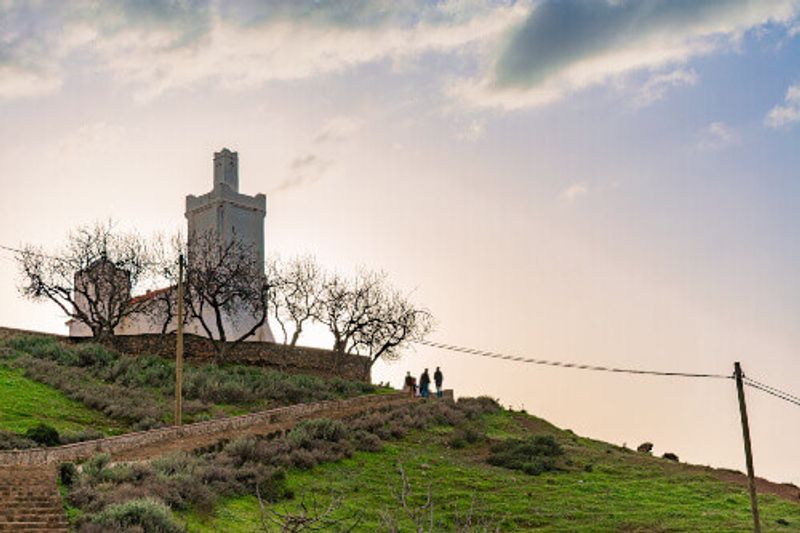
(620, 491)
(25, 403)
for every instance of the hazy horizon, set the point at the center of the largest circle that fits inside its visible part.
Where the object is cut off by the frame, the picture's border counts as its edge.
(611, 183)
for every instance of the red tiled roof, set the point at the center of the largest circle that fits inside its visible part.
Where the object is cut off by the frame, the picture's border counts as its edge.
(149, 295)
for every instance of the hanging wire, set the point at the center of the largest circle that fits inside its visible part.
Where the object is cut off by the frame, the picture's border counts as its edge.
(562, 364)
(774, 392)
(773, 389)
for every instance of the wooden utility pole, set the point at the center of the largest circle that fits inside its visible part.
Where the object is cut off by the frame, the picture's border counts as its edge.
(748, 452)
(179, 347)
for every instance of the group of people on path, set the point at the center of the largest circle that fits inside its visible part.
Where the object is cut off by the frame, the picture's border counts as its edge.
(424, 388)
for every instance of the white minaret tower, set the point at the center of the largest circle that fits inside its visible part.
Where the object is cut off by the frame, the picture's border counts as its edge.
(225, 211)
(226, 169)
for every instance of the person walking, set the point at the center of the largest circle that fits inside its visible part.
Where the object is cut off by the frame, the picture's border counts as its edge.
(438, 378)
(409, 384)
(424, 384)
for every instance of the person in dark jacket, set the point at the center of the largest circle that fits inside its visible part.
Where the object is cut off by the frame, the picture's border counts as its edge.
(438, 378)
(409, 384)
(424, 384)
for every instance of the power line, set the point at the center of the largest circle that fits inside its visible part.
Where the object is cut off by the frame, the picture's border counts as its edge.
(773, 389)
(788, 398)
(562, 364)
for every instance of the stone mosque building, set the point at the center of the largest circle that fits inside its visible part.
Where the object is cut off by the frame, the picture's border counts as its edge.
(224, 212)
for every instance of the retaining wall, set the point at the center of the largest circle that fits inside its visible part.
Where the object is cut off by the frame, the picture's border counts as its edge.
(83, 450)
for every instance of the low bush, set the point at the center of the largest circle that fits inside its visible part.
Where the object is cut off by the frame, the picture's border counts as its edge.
(13, 441)
(94, 467)
(367, 442)
(147, 514)
(476, 407)
(43, 434)
(533, 455)
(82, 435)
(67, 473)
(307, 432)
(462, 436)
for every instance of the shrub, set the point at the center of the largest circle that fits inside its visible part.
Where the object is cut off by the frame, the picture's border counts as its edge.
(457, 441)
(367, 442)
(475, 407)
(91, 354)
(306, 432)
(93, 468)
(175, 464)
(243, 450)
(148, 514)
(67, 473)
(43, 434)
(10, 441)
(71, 437)
(645, 447)
(533, 455)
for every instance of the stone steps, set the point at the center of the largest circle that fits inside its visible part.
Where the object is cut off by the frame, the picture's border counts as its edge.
(29, 500)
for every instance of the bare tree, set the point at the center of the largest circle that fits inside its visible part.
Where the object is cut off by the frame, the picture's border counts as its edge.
(91, 278)
(160, 306)
(421, 516)
(366, 316)
(421, 512)
(297, 288)
(396, 324)
(348, 305)
(307, 516)
(225, 285)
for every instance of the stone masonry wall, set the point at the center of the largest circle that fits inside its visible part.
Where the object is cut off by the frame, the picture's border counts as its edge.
(284, 416)
(297, 360)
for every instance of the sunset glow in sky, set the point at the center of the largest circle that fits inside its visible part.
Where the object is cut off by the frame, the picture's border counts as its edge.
(605, 182)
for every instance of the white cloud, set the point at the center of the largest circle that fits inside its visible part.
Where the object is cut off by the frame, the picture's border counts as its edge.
(567, 46)
(573, 192)
(716, 136)
(304, 170)
(657, 85)
(337, 129)
(523, 53)
(238, 56)
(94, 138)
(786, 114)
(160, 46)
(16, 83)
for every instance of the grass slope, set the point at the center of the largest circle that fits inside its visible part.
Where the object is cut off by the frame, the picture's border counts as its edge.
(25, 403)
(600, 487)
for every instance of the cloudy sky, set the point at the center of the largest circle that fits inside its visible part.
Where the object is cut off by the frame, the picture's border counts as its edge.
(607, 182)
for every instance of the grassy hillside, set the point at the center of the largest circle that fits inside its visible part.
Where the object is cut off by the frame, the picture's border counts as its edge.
(25, 403)
(464, 453)
(596, 487)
